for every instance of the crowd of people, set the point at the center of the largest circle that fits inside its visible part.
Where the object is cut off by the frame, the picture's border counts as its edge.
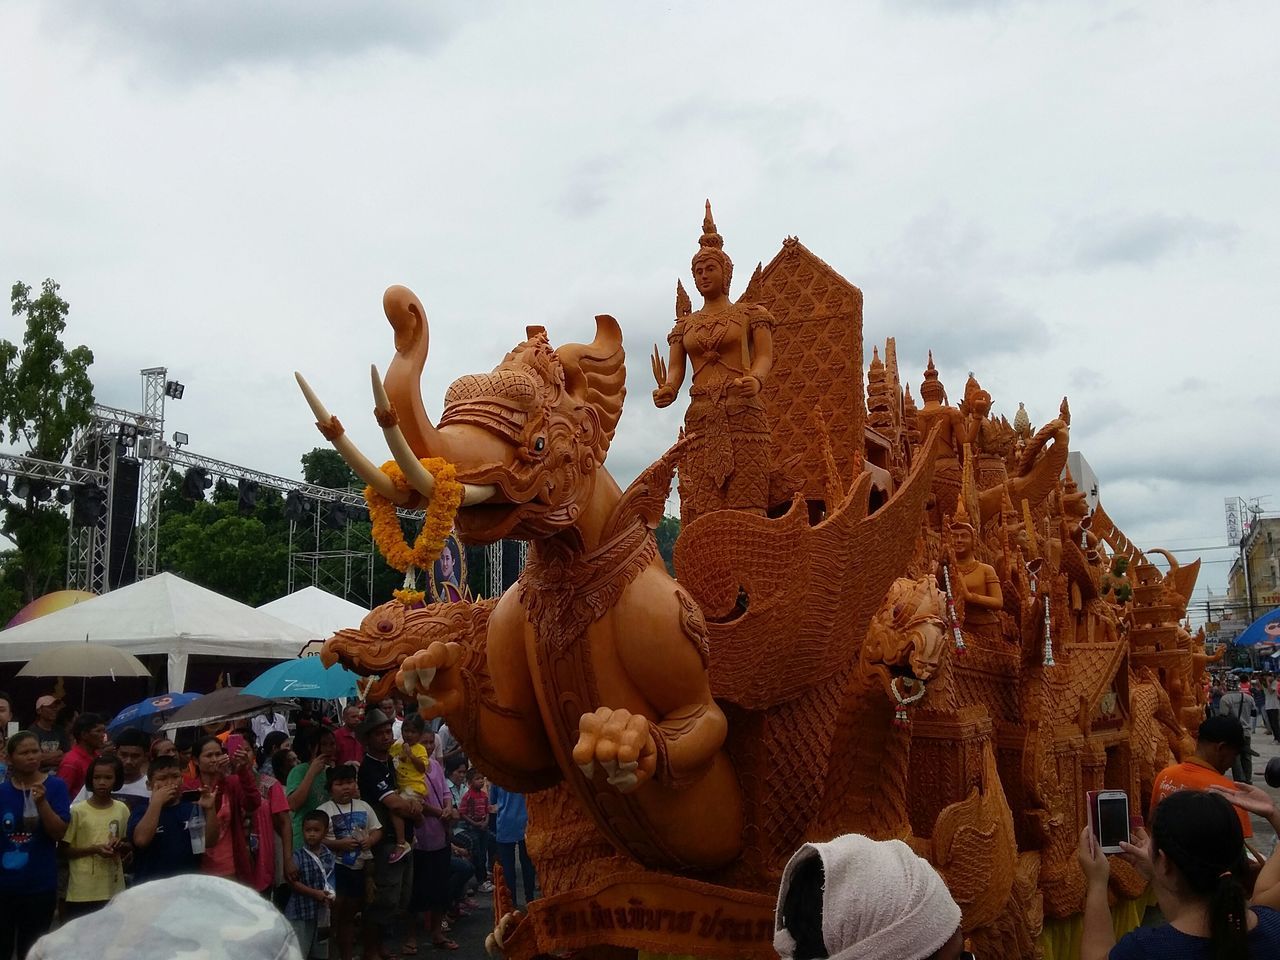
(1252, 699)
(356, 825)
(353, 825)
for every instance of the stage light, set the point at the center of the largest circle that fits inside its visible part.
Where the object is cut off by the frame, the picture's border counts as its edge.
(248, 495)
(90, 504)
(335, 515)
(195, 482)
(296, 507)
(24, 488)
(65, 495)
(129, 433)
(173, 389)
(181, 439)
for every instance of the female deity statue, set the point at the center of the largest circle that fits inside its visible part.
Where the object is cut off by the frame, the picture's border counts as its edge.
(730, 347)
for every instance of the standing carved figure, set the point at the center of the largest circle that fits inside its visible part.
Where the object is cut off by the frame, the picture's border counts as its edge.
(730, 347)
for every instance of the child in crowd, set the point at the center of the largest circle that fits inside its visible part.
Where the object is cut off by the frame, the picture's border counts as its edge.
(96, 841)
(354, 830)
(313, 890)
(513, 819)
(410, 758)
(474, 809)
(166, 834)
(457, 782)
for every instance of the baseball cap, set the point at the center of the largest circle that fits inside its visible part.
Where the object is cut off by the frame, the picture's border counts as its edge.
(1222, 729)
(46, 701)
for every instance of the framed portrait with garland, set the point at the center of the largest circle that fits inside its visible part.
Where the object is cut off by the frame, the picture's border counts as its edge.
(449, 573)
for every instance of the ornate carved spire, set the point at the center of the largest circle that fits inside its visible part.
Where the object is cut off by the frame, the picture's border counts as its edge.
(711, 244)
(1022, 422)
(709, 236)
(932, 390)
(961, 517)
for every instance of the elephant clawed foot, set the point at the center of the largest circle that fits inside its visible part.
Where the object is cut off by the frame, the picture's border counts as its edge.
(622, 743)
(432, 677)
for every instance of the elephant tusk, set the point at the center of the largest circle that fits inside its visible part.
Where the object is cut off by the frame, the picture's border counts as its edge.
(333, 432)
(414, 472)
(418, 476)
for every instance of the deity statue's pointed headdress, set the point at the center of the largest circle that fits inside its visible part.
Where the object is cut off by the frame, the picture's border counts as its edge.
(711, 244)
(932, 389)
(960, 519)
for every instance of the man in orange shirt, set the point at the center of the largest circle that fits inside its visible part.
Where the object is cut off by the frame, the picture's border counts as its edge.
(1218, 743)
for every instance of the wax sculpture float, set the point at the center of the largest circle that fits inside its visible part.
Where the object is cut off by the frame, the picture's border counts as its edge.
(893, 619)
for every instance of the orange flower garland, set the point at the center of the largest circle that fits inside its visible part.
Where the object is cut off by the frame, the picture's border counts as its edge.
(439, 522)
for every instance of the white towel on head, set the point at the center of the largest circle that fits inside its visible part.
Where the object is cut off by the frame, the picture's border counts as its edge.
(879, 901)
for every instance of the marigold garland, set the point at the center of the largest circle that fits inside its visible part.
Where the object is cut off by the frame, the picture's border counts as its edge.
(439, 521)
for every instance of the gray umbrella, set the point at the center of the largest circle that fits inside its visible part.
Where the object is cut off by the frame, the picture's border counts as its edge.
(225, 704)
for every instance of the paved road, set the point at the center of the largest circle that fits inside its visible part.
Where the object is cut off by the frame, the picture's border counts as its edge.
(1264, 835)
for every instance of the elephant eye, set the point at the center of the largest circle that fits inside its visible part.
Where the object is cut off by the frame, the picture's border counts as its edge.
(539, 444)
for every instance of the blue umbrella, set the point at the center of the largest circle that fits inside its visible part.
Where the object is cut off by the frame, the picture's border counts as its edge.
(1257, 631)
(150, 713)
(306, 678)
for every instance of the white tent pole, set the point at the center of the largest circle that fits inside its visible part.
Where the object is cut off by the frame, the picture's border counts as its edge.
(177, 672)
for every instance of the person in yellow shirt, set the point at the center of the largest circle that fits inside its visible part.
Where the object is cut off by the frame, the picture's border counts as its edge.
(96, 841)
(411, 759)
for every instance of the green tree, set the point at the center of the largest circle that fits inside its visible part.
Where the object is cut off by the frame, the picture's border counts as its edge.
(668, 530)
(245, 558)
(45, 397)
(324, 467)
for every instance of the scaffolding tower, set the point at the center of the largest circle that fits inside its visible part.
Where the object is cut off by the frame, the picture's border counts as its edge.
(337, 560)
(155, 471)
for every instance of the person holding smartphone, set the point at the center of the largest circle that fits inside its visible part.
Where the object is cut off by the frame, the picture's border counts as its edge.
(229, 775)
(306, 788)
(161, 831)
(1194, 858)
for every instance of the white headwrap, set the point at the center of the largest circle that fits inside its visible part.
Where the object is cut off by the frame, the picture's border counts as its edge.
(880, 901)
(193, 916)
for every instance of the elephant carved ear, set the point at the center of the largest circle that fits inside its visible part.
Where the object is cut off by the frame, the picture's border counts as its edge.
(596, 374)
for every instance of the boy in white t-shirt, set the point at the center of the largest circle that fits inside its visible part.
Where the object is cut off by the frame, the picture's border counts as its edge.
(96, 841)
(354, 830)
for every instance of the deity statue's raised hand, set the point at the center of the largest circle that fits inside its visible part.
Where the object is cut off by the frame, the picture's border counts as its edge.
(665, 395)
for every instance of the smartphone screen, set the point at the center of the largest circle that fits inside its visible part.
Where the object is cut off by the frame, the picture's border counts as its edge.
(190, 796)
(1113, 821)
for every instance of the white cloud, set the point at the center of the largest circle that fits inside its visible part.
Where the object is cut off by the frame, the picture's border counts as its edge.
(229, 189)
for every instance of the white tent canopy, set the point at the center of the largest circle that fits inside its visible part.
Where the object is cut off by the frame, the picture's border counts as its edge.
(317, 611)
(163, 614)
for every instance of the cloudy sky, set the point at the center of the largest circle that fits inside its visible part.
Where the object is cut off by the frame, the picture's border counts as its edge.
(1072, 197)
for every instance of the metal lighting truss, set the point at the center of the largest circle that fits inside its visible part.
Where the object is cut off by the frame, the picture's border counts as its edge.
(335, 558)
(88, 545)
(155, 471)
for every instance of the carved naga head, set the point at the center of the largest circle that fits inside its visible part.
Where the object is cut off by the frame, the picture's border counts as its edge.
(907, 637)
(527, 438)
